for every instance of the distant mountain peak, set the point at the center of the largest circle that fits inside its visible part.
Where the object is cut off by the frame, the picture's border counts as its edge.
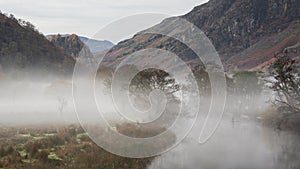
(95, 46)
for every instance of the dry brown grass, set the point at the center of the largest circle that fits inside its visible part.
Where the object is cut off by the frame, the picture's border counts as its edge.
(64, 147)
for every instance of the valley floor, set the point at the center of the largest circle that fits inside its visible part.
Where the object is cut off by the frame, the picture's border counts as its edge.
(58, 147)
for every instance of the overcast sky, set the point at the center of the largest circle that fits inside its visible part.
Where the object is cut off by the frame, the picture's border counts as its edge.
(86, 17)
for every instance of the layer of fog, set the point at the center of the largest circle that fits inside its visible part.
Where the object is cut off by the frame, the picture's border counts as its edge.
(33, 102)
(239, 142)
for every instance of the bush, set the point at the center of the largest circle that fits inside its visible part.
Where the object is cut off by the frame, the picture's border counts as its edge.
(57, 140)
(43, 156)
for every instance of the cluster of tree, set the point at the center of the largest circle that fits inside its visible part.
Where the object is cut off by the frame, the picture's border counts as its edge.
(243, 86)
(243, 89)
(25, 24)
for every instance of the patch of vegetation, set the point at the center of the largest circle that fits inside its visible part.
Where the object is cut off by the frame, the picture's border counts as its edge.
(53, 156)
(63, 150)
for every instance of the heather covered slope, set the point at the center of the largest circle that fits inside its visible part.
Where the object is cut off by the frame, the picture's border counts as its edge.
(261, 54)
(237, 28)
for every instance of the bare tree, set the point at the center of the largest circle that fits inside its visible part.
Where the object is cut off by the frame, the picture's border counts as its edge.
(105, 74)
(286, 83)
(62, 103)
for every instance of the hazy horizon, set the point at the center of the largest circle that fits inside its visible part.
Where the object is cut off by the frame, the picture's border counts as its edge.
(85, 18)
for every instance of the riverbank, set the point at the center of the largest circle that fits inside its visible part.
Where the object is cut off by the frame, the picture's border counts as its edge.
(289, 122)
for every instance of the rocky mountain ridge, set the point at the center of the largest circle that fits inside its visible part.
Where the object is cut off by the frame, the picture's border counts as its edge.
(246, 33)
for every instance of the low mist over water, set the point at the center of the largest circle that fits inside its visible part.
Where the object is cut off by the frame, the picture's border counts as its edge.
(243, 144)
(241, 141)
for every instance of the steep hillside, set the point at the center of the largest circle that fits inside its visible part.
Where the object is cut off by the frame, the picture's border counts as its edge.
(260, 55)
(238, 29)
(23, 48)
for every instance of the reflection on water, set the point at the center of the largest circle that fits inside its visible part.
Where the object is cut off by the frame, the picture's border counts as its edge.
(234, 146)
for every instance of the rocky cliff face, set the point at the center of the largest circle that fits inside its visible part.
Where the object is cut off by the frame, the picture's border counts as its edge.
(246, 33)
(71, 44)
(234, 25)
(23, 48)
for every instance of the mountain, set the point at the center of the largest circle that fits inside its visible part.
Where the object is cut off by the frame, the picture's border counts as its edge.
(246, 33)
(22, 48)
(95, 46)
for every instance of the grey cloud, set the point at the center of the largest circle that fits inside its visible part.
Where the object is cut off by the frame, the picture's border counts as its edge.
(88, 15)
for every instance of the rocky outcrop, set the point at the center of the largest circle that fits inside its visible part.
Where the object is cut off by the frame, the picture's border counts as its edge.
(71, 44)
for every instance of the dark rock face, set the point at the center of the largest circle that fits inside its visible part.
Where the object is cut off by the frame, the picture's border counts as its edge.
(235, 25)
(236, 29)
(23, 48)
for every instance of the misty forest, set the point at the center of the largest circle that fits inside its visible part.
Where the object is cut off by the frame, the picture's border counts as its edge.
(63, 97)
